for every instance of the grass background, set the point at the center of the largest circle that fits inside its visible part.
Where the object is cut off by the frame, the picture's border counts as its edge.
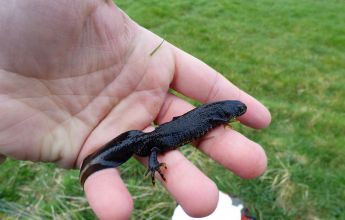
(290, 55)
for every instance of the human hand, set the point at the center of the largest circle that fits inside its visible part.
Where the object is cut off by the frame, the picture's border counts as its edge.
(74, 75)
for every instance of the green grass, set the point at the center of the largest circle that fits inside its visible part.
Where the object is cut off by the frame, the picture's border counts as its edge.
(289, 54)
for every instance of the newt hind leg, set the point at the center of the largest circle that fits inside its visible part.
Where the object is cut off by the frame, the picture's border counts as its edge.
(155, 166)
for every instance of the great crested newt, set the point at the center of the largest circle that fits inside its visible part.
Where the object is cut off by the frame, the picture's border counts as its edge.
(168, 136)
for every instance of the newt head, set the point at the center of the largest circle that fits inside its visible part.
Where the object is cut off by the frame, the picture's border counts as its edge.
(233, 108)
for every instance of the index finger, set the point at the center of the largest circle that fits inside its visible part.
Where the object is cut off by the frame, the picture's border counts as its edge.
(196, 80)
(104, 191)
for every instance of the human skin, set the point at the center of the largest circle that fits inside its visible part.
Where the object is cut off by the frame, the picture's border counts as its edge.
(75, 74)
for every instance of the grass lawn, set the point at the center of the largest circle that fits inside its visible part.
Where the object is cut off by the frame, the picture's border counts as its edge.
(290, 55)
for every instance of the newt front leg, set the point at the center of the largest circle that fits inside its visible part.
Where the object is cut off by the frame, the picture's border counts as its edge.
(154, 165)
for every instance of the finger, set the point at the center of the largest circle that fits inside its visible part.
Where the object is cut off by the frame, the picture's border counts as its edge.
(197, 80)
(235, 152)
(226, 146)
(108, 196)
(195, 192)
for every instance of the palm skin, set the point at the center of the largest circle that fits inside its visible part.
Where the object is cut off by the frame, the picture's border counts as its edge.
(73, 75)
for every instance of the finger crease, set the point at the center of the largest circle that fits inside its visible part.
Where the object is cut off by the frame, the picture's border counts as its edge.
(164, 110)
(214, 89)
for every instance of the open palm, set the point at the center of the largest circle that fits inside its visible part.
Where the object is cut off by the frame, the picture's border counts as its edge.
(73, 75)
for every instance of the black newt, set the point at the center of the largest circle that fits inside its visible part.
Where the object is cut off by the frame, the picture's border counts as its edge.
(168, 136)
